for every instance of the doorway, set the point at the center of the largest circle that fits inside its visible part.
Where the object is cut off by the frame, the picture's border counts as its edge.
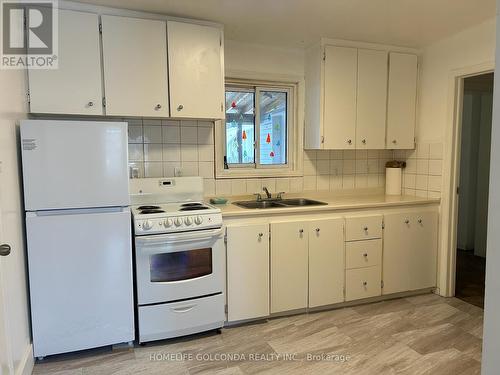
(475, 145)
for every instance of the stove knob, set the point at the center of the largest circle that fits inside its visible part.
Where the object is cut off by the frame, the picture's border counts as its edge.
(147, 225)
(188, 220)
(198, 220)
(167, 223)
(178, 222)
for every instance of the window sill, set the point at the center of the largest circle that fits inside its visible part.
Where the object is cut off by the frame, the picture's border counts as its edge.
(257, 173)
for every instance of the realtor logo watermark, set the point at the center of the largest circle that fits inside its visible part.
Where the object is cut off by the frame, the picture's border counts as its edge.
(29, 34)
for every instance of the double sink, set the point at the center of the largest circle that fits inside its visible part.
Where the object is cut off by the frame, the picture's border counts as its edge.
(279, 203)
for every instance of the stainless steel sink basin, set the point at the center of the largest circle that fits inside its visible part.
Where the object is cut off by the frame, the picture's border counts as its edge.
(294, 202)
(279, 203)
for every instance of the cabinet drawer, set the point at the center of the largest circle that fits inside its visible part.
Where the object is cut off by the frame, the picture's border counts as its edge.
(361, 254)
(167, 320)
(362, 283)
(363, 227)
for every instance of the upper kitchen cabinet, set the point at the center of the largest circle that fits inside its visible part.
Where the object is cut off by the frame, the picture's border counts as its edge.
(371, 99)
(401, 106)
(349, 91)
(196, 70)
(135, 66)
(75, 87)
(339, 118)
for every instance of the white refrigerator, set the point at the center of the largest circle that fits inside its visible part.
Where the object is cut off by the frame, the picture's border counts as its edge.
(78, 231)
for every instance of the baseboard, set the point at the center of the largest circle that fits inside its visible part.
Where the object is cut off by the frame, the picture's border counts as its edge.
(27, 362)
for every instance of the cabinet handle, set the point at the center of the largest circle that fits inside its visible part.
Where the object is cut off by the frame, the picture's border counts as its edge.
(364, 141)
(157, 107)
(407, 221)
(394, 141)
(180, 107)
(365, 283)
(349, 141)
(365, 255)
(261, 235)
(90, 104)
(365, 229)
(317, 230)
(420, 221)
(301, 231)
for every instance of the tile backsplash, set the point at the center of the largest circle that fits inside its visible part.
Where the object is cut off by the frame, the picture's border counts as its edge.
(424, 170)
(167, 148)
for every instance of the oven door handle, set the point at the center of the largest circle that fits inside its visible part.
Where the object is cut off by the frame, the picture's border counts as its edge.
(183, 237)
(183, 309)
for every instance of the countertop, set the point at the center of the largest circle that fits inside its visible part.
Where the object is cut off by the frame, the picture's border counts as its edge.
(335, 202)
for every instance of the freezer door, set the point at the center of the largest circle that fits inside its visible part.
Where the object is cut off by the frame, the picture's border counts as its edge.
(80, 275)
(74, 164)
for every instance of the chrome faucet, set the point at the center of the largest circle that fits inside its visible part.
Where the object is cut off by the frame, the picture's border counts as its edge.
(269, 196)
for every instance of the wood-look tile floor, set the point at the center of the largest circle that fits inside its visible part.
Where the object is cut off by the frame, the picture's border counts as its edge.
(424, 334)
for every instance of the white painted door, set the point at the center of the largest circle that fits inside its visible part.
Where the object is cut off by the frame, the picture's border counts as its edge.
(75, 87)
(289, 270)
(13, 277)
(6, 362)
(340, 85)
(326, 262)
(396, 253)
(423, 257)
(195, 64)
(135, 66)
(371, 99)
(247, 271)
(402, 100)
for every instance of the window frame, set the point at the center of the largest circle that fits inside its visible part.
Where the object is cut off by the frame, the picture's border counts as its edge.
(293, 166)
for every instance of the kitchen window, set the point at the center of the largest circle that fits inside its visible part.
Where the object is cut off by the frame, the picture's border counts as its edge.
(259, 133)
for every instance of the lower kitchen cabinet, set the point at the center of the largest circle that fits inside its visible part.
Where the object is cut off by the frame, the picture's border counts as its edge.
(247, 271)
(289, 265)
(410, 251)
(326, 262)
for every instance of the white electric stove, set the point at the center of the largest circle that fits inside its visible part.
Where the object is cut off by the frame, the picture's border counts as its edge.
(180, 258)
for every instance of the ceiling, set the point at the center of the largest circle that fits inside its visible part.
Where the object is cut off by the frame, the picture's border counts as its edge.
(295, 23)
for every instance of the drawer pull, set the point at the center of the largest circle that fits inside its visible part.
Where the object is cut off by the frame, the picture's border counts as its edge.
(301, 231)
(365, 255)
(365, 229)
(420, 221)
(365, 283)
(317, 230)
(407, 221)
(261, 235)
(183, 309)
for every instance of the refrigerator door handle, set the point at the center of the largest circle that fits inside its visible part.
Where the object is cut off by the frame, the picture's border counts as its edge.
(78, 211)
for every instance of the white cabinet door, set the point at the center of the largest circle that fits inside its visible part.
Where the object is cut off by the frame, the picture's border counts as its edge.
(135, 66)
(75, 86)
(195, 65)
(396, 252)
(423, 258)
(371, 99)
(288, 266)
(340, 83)
(247, 271)
(326, 262)
(402, 98)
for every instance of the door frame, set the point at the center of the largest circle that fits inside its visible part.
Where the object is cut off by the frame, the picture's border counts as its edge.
(451, 174)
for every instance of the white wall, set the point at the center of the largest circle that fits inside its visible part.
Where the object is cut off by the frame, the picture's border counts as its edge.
(13, 107)
(491, 337)
(470, 47)
(248, 57)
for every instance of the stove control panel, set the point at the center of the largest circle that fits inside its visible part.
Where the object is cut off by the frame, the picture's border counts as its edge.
(160, 225)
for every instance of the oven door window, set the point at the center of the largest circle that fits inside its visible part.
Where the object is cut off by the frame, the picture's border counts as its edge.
(181, 265)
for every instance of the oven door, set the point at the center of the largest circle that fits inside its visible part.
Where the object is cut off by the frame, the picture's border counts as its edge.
(172, 267)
